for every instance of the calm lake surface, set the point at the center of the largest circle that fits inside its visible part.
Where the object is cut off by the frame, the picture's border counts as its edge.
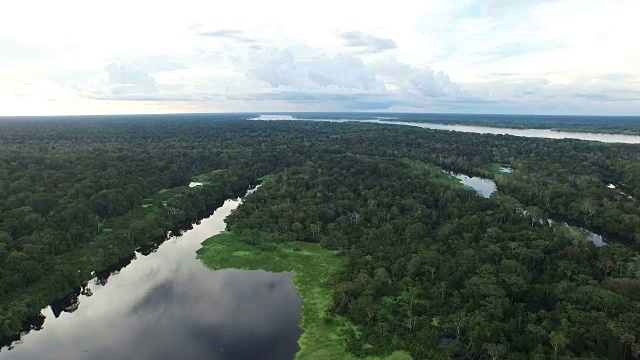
(540, 133)
(167, 305)
(482, 186)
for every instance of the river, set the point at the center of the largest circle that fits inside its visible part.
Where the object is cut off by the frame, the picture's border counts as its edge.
(539, 133)
(485, 187)
(167, 305)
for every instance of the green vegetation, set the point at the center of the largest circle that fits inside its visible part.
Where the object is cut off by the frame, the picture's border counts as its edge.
(435, 173)
(207, 177)
(496, 169)
(441, 274)
(314, 268)
(116, 238)
(425, 266)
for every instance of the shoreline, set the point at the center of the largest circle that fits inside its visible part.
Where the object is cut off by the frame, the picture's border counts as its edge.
(313, 268)
(24, 306)
(512, 127)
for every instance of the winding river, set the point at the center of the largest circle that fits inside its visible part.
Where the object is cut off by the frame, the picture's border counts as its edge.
(485, 187)
(539, 133)
(167, 305)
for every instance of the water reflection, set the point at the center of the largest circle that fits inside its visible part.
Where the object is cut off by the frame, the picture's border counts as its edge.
(101, 277)
(595, 239)
(169, 306)
(275, 117)
(486, 187)
(482, 186)
(70, 302)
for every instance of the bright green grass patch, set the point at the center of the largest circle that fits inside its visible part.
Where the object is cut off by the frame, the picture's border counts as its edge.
(266, 179)
(572, 232)
(496, 169)
(436, 173)
(314, 267)
(242, 253)
(206, 177)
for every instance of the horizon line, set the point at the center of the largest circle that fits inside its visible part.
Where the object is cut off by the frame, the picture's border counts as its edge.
(314, 112)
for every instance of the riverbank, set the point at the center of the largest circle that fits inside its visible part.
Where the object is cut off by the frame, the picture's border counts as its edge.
(169, 210)
(314, 269)
(592, 125)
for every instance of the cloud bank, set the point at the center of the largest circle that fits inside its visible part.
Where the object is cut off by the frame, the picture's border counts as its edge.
(553, 56)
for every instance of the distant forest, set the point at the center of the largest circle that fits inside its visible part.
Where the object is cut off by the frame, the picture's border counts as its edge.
(433, 268)
(593, 124)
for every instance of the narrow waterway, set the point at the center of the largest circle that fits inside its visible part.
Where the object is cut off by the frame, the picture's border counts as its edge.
(167, 305)
(485, 187)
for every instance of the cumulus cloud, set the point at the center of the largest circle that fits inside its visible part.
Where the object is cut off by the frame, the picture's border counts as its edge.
(125, 82)
(279, 68)
(487, 56)
(347, 101)
(367, 42)
(433, 84)
(346, 82)
(407, 79)
(122, 79)
(129, 82)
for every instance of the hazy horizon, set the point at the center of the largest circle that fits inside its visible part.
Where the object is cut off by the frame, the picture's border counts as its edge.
(496, 57)
(372, 113)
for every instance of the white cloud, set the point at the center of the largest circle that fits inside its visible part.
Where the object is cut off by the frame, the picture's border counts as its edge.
(121, 79)
(367, 42)
(470, 55)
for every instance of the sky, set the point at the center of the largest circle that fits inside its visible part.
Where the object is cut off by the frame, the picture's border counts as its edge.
(68, 57)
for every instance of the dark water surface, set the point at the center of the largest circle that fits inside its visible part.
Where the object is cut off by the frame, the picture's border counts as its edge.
(167, 305)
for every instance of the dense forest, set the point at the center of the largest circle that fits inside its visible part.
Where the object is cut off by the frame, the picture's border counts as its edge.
(443, 273)
(432, 268)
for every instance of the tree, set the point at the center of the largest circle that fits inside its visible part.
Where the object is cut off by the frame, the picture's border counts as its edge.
(495, 351)
(558, 342)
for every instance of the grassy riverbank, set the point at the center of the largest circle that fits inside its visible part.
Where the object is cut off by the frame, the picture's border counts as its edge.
(314, 268)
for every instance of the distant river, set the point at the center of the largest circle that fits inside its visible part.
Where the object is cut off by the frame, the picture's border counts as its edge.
(485, 187)
(540, 133)
(167, 306)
